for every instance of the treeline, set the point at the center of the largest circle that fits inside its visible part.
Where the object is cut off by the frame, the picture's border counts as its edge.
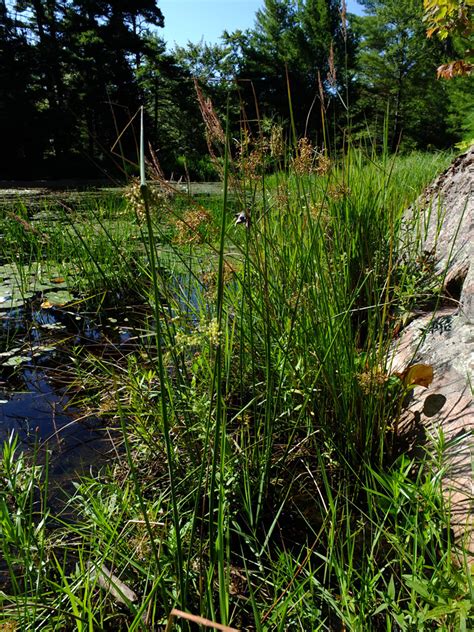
(73, 74)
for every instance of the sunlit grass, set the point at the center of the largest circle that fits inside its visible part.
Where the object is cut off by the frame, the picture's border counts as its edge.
(261, 486)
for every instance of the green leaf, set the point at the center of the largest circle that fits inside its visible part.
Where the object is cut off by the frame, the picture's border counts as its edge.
(391, 589)
(381, 608)
(441, 611)
(419, 586)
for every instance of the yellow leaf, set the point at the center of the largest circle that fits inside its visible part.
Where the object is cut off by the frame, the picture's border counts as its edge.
(417, 375)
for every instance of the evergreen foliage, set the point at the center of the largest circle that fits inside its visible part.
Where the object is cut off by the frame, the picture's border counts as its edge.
(80, 71)
(397, 74)
(74, 73)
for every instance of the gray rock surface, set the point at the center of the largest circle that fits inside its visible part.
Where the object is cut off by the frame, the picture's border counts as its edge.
(445, 338)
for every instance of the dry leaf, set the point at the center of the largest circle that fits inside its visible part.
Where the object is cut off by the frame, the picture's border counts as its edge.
(207, 623)
(57, 279)
(417, 375)
(459, 68)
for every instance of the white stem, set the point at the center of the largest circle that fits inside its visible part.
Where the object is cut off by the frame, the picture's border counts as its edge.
(142, 150)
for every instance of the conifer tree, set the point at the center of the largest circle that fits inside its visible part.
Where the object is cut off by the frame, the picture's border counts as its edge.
(397, 75)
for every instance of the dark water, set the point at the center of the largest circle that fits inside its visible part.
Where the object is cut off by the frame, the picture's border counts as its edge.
(36, 378)
(40, 419)
(36, 344)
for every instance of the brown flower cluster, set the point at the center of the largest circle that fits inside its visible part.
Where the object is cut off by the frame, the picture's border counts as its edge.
(303, 162)
(319, 211)
(323, 165)
(133, 196)
(370, 380)
(251, 155)
(215, 136)
(308, 160)
(276, 141)
(189, 228)
(338, 191)
(214, 131)
(209, 279)
(282, 195)
(331, 76)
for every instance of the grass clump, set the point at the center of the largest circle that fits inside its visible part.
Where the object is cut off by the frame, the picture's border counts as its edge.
(262, 486)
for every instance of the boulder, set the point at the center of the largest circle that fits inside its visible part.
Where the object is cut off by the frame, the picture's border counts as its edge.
(442, 221)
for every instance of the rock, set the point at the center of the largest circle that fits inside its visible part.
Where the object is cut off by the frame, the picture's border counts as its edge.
(445, 338)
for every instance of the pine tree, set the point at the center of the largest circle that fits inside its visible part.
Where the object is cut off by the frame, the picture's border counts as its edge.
(22, 131)
(397, 74)
(290, 46)
(77, 64)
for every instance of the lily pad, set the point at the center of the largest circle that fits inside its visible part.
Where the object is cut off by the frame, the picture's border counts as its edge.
(11, 352)
(13, 303)
(36, 277)
(41, 349)
(16, 360)
(57, 299)
(52, 326)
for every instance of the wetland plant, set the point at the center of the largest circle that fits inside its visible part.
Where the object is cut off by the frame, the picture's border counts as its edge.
(261, 485)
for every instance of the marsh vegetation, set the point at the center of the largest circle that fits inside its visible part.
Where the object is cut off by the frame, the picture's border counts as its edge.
(243, 369)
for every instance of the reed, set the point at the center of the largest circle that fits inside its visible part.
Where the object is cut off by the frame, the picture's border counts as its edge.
(261, 486)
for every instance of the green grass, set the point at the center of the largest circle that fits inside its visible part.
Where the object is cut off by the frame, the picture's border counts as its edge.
(261, 485)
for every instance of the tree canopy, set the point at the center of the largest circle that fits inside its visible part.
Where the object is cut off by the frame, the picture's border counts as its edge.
(73, 74)
(397, 75)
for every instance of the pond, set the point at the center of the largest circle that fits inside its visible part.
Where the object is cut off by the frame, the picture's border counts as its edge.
(39, 336)
(42, 325)
(43, 322)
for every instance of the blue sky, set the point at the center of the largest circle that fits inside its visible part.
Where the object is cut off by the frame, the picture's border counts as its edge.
(191, 20)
